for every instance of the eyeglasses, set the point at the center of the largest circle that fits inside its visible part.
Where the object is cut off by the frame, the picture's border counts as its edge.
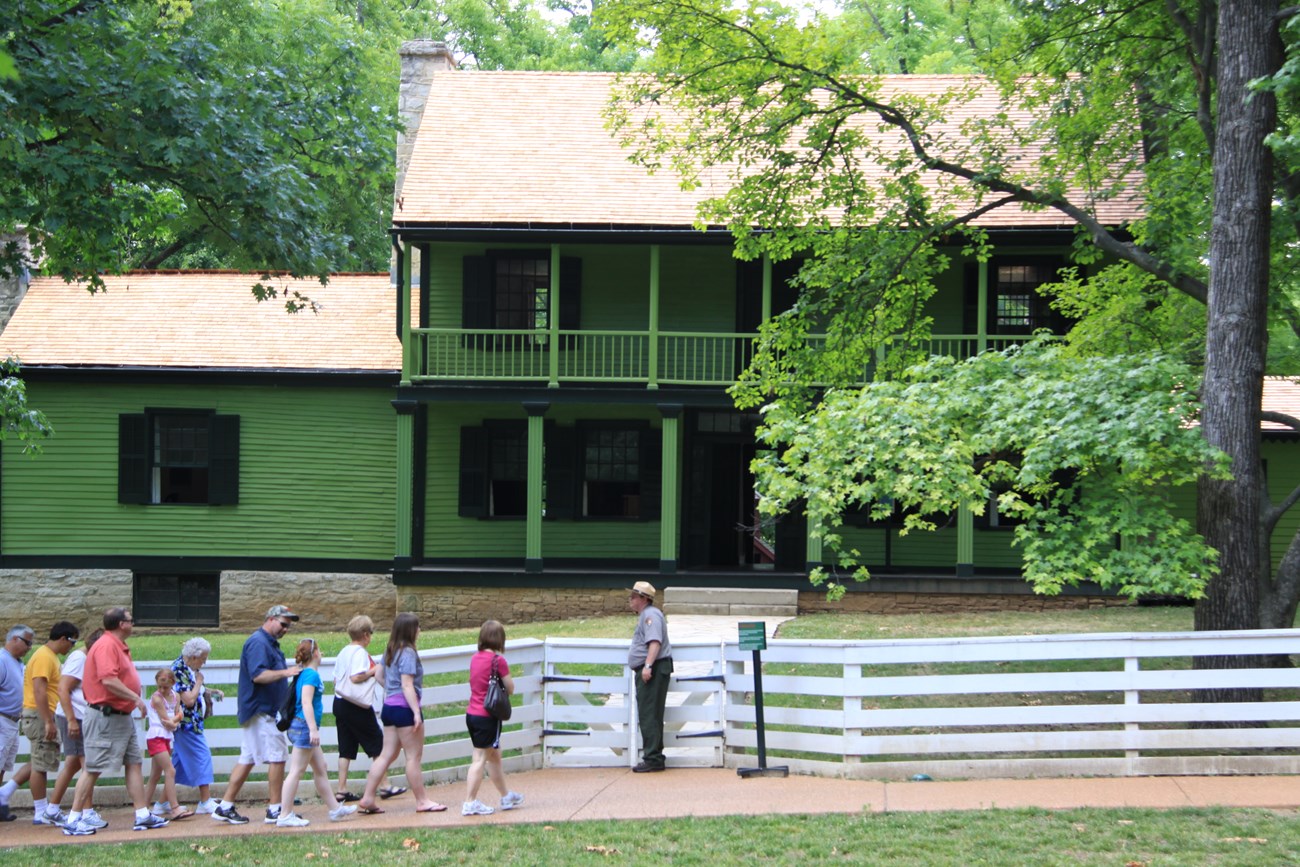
(285, 623)
(26, 641)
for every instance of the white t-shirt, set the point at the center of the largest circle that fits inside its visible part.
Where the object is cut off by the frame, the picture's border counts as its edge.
(351, 660)
(74, 666)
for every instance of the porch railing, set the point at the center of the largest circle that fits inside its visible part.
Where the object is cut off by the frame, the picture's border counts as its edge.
(638, 357)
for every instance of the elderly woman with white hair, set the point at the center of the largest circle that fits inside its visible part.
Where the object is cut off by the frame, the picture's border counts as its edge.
(192, 756)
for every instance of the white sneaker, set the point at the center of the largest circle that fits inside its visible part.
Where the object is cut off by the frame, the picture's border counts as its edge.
(342, 811)
(510, 800)
(207, 807)
(161, 808)
(79, 828)
(475, 808)
(93, 819)
(149, 823)
(291, 820)
(57, 819)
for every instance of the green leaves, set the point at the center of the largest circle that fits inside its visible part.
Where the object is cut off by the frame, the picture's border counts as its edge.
(1084, 453)
(140, 133)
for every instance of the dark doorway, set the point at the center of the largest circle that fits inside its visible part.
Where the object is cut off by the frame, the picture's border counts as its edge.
(720, 527)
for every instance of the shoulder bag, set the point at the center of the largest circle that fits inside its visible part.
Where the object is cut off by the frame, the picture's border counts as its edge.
(497, 700)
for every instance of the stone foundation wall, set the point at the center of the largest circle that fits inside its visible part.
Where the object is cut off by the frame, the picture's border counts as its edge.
(933, 603)
(325, 601)
(468, 607)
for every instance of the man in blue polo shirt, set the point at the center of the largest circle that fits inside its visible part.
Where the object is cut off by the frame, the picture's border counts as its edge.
(263, 685)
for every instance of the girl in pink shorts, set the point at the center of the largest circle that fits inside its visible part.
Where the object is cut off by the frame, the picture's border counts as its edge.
(164, 717)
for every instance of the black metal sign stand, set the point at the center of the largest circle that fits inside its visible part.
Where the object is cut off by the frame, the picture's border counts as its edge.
(753, 636)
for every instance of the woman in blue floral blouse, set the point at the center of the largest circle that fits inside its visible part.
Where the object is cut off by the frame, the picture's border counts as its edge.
(191, 754)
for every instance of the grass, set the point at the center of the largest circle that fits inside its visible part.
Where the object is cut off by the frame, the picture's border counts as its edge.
(228, 645)
(1043, 838)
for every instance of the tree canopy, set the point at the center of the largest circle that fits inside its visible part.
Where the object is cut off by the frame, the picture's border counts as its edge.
(826, 160)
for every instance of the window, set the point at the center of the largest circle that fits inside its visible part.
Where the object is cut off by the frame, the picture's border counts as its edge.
(180, 459)
(177, 457)
(1017, 305)
(176, 600)
(611, 473)
(511, 289)
(521, 289)
(494, 470)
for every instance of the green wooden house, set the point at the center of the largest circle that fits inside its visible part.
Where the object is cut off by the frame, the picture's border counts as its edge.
(562, 411)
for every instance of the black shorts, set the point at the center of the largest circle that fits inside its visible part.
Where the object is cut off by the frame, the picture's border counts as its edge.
(484, 731)
(397, 715)
(357, 727)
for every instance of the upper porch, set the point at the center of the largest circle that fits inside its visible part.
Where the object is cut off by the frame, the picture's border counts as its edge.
(646, 316)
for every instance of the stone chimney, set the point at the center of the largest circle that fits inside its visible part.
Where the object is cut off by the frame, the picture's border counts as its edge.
(14, 286)
(421, 60)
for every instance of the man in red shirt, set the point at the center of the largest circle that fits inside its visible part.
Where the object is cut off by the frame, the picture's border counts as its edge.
(111, 686)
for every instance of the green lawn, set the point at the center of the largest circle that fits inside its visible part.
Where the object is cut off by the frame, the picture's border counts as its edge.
(1042, 838)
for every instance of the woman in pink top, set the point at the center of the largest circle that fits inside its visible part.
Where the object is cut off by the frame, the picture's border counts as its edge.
(485, 730)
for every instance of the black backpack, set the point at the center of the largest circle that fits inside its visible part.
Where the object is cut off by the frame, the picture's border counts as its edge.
(287, 709)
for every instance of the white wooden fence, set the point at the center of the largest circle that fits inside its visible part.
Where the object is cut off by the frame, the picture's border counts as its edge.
(1109, 704)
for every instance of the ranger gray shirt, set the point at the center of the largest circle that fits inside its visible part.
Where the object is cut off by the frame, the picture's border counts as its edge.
(650, 626)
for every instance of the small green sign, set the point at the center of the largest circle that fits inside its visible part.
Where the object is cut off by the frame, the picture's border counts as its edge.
(753, 635)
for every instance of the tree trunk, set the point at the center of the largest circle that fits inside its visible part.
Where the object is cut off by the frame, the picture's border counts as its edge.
(1228, 512)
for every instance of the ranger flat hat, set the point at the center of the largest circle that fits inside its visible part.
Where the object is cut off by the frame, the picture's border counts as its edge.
(645, 588)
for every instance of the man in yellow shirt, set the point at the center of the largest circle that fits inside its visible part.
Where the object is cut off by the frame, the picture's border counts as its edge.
(40, 697)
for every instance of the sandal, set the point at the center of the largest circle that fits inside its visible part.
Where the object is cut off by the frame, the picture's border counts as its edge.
(177, 815)
(346, 797)
(391, 792)
(370, 811)
(435, 807)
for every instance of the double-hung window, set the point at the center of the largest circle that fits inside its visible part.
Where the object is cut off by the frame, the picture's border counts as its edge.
(178, 457)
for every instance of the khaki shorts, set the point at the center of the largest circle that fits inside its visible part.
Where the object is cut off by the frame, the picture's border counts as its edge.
(8, 743)
(262, 743)
(111, 741)
(44, 754)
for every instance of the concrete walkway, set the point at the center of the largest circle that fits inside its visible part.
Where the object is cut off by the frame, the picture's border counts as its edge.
(575, 795)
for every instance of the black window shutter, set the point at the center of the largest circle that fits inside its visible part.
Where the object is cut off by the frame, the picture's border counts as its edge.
(133, 458)
(652, 463)
(476, 292)
(970, 298)
(474, 451)
(570, 293)
(570, 298)
(223, 460)
(562, 464)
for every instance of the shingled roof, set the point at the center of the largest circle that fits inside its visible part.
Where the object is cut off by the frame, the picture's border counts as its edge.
(206, 320)
(531, 149)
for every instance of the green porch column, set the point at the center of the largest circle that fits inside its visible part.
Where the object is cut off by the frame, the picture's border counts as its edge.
(533, 522)
(965, 542)
(404, 309)
(669, 481)
(405, 526)
(767, 288)
(653, 349)
(982, 309)
(812, 549)
(553, 322)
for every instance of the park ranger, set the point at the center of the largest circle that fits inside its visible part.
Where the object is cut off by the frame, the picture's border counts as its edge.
(651, 660)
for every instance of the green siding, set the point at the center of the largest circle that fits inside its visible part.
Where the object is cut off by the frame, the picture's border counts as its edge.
(926, 550)
(449, 535)
(316, 477)
(1283, 477)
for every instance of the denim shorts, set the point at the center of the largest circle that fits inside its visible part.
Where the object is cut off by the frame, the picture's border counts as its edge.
(299, 734)
(399, 716)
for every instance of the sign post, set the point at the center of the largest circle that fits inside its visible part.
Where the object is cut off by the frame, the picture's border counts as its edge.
(753, 636)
